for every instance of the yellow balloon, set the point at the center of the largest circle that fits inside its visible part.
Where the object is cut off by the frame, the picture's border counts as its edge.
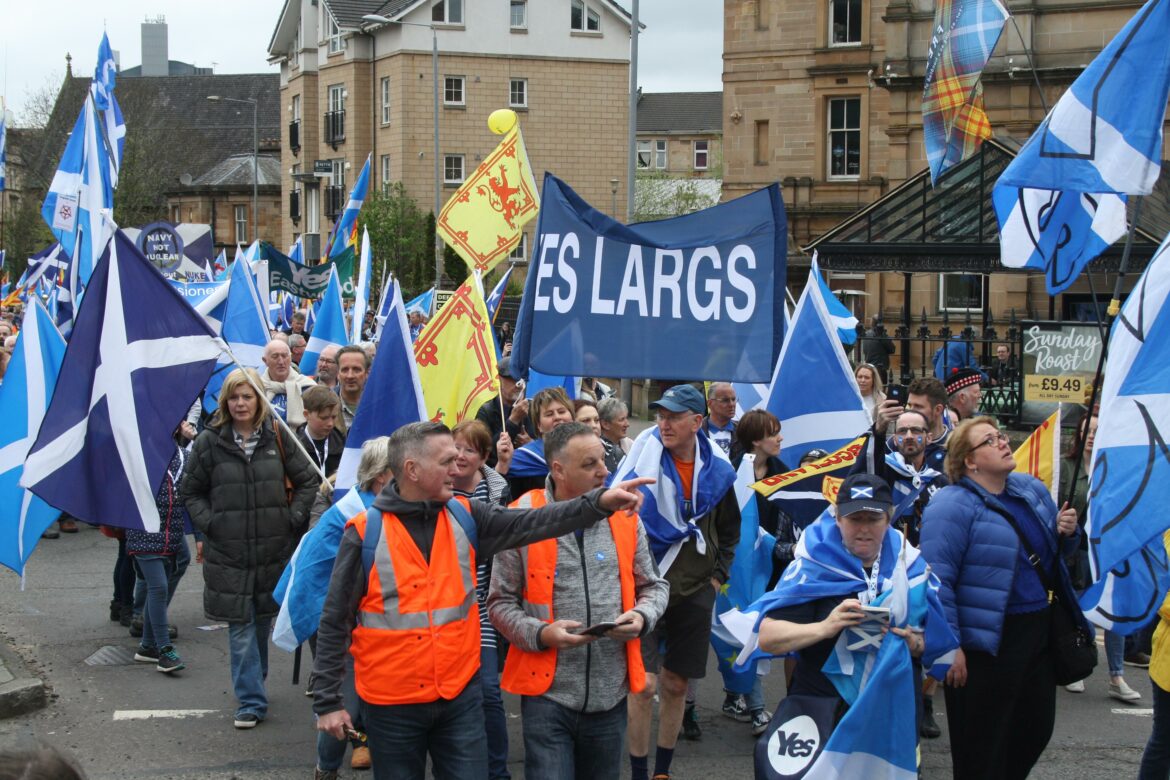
(502, 120)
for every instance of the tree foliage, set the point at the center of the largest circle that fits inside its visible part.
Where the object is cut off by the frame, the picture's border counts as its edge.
(401, 238)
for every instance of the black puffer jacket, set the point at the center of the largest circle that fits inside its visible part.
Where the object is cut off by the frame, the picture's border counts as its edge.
(240, 506)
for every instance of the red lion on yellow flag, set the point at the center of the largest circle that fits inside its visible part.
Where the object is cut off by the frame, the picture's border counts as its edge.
(456, 358)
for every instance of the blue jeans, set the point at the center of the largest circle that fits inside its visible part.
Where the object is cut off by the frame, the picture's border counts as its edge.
(1156, 759)
(156, 570)
(249, 659)
(495, 720)
(452, 732)
(1115, 653)
(564, 744)
(182, 559)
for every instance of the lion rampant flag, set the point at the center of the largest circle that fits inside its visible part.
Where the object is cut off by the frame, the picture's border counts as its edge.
(1039, 455)
(456, 357)
(483, 219)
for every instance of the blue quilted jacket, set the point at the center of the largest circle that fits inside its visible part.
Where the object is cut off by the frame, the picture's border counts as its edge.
(974, 551)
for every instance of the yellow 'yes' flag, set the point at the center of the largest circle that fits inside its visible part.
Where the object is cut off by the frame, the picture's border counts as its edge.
(456, 357)
(1039, 455)
(483, 219)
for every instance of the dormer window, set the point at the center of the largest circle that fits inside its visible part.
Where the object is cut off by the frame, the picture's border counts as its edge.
(447, 12)
(583, 18)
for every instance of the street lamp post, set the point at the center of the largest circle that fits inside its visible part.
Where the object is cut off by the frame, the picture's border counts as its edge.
(377, 19)
(255, 157)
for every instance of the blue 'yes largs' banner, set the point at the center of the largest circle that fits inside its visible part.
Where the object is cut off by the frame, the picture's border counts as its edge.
(698, 296)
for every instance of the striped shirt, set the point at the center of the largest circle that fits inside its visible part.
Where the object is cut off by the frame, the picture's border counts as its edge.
(487, 632)
(248, 445)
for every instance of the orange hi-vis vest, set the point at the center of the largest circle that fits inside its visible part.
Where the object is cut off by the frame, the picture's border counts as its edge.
(531, 674)
(417, 633)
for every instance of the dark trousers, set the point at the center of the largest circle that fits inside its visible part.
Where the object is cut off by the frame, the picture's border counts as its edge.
(1156, 759)
(1002, 719)
(495, 719)
(452, 732)
(123, 576)
(569, 745)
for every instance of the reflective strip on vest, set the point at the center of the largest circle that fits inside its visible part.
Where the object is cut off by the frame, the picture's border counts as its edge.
(392, 618)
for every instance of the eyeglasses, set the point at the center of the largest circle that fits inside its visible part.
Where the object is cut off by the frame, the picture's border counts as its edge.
(994, 440)
(914, 430)
(724, 400)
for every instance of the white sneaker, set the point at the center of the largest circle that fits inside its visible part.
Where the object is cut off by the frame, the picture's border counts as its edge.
(1123, 692)
(1077, 687)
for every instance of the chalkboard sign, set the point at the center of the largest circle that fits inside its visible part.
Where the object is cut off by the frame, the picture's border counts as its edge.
(1059, 360)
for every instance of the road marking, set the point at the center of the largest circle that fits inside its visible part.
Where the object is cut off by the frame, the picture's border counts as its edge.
(149, 714)
(1139, 712)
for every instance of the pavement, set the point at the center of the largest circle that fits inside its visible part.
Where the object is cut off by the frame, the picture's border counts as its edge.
(125, 720)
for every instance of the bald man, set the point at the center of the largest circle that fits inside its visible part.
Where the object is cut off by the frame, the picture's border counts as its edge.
(283, 385)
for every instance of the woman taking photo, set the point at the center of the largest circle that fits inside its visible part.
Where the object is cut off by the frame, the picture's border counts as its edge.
(869, 382)
(234, 486)
(1001, 689)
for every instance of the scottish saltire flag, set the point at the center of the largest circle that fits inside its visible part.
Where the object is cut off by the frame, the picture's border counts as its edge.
(138, 357)
(24, 397)
(50, 263)
(812, 357)
(839, 313)
(748, 396)
(297, 251)
(305, 581)
(361, 300)
(750, 571)
(328, 326)
(392, 397)
(496, 298)
(529, 461)
(538, 381)
(1130, 472)
(670, 521)
(243, 328)
(288, 307)
(953, 121)
(423, 304)
(384, 306)
(311, 315)
(221, 266)
(345, 231)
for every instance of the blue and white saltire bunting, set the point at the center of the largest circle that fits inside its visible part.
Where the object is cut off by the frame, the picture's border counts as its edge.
(493, 301)
(328, 326)
(24, 397)
(839, 313)
(392, 396)
(245, 330)
(750, 571)
(423, 304)
(305, 581)
(670, 521)
(343, 230)
(1101, 141)
(812, 356)
(1130, 471)
(361, 300)
(138, 357)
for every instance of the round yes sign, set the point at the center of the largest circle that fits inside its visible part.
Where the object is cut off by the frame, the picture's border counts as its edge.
(161, 244)
(793, 746)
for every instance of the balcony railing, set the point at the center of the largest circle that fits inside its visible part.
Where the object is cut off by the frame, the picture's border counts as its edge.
(334, 201)
(294, 205)
(334, 127)
(294, 135)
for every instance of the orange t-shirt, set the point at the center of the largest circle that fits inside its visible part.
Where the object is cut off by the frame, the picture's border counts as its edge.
(686, 473)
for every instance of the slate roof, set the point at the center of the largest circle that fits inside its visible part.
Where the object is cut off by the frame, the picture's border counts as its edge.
(680, 112)
(236, 171)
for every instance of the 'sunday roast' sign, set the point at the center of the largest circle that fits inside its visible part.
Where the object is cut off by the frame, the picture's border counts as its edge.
(699, 296)
(1060, 360)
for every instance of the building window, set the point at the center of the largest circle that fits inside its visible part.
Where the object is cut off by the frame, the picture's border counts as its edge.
(337, 176)
(296, 108)
(701, 155)
(844, 22)
(584, 19)
(453, 91)
(337, 97)
(762, 153)
(519, 252)
(643, 155)
(660, 155)
(386, 172)
(336, 42)
(241, 214)
(453, 169)
(177, 214)
(518, 93)
(448, 12)
(762, 10)
(960, 292)
(386, 100)
(518, 18)
(844, 137)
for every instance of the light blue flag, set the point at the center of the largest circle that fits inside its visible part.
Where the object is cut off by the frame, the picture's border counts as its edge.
(842, 318)
(343, 233)
(361, 300)
(750, 571)
(384, 306)
(311, 315)
(1129, 477)
(538, 381)
(221, 266)
(423, 304)
(243, 328)
(497, 296)
(328, 326)
(812, 357)
(24, 397)
(392, 397)
(297, 251)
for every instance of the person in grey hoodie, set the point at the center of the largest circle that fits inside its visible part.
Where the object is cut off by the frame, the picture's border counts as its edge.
(575, 722)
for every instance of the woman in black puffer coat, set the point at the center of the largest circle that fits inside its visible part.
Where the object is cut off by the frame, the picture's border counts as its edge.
(234, 489)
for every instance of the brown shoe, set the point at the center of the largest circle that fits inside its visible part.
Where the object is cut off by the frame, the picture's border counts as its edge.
(67, 526)
(360, 758)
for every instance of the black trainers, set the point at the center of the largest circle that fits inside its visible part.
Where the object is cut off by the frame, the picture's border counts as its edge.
(127, 616)
(168, 661)
(146, 655)
(246, 720)
(136, 627)
(735, 707)
(115, 611)
(929, 728)
(690, 725)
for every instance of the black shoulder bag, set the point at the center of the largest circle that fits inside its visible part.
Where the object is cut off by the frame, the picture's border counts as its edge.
(1073, 651)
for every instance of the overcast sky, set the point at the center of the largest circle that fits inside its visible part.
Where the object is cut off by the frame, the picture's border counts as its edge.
(680, 49)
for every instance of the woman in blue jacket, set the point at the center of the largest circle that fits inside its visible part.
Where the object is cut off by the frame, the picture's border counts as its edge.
(1001, 692)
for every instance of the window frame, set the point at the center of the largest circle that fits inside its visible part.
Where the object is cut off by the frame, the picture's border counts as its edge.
(512, 102)
(333, 34)
(661, 158)
(384, 167)
(296, 108)
(447, 159)
(942, 292)
(385, 96)
(337, 175)
(513, 5)
(829, 132)
(339, 91)
(241, 235)
(706, 152)
(590, 19)
(860, 4)
(446, 5)
(462, 102)
(519, 252)
(643, 146)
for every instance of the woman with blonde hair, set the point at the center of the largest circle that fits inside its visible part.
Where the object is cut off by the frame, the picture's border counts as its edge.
(869, 382)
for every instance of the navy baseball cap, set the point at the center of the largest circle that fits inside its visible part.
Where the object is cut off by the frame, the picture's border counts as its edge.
(681, 398)
(864, 493)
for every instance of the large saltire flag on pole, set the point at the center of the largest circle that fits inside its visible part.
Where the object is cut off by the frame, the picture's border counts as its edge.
(839, 313)
(483, 220)
(1129, 476)
(138, 357)
(244, 329)
(345, 232)
(1039, 455)
(329, 328)
(24, 397)
(1061, 202)
(456, 357)
(361, 293)
(953, 121)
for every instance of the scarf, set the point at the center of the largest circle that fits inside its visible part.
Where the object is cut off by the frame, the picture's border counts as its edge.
(291, 388)
(913, 481)
(528, 461)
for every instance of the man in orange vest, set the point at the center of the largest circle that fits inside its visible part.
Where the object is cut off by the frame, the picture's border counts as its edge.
(546, 595)
(402, 597)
